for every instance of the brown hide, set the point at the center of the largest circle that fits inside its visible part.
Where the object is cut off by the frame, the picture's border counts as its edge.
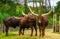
(32, 19)
(42, 20)
(10, 22)
(42, 23)
(28, 22)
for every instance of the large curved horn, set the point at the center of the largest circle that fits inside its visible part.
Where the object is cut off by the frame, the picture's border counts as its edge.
(47, 13)
(32, 12)
(24, 13)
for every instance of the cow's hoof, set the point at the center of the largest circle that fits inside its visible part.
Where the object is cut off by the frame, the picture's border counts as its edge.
(35, 34)
(39, 35)
(22, 34)
(19, 34)
(42, 36)
(31, 35)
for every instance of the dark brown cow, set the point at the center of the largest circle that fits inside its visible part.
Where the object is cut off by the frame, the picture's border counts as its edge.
(28, 22)
(10, 22)
(42, 23)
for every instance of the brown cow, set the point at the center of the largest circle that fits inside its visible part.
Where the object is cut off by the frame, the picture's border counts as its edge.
(10, 22)
(28, 22)
(42, 23)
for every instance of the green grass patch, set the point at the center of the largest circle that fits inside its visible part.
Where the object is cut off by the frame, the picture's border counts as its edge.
(11, 35)
(14, 35)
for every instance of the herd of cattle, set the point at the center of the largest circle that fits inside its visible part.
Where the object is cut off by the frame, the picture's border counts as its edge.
(28, 21)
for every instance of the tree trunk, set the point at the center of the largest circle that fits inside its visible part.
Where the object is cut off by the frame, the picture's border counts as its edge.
(59, 23)
(55, 25)
(49, 4)
(41, 6)
(54, 22)
(26, 7)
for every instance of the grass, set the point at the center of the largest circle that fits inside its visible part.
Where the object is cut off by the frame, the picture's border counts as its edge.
(14, 35)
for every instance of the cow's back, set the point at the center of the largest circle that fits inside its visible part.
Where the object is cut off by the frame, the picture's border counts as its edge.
(11, 22)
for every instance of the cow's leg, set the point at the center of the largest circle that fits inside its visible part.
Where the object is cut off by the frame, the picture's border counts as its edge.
(43, 32)
(20, 30)
(7, 28)
(3, 29)
(35, 30)
(39, 31)
(23, 31)
(31, 30)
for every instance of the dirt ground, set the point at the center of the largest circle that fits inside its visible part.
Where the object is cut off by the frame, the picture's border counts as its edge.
(49, 34)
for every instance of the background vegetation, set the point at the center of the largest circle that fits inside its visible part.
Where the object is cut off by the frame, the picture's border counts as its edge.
(9, 8)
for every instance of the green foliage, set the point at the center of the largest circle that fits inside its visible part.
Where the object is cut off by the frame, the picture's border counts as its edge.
(2, 16)
(57, 8)
(50, 19)
(8, 8)
(19, 10)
